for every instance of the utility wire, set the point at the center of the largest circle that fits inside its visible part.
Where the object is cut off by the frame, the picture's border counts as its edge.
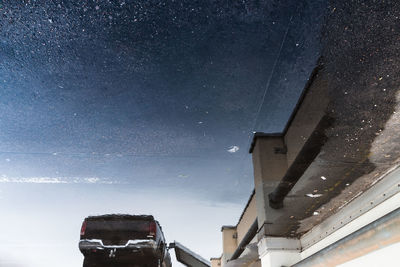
(271, 74)
(267, 86)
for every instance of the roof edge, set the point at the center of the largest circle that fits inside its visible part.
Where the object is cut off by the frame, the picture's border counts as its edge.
(262, 135)
(247, 205)
(304, 92)
(227, 227)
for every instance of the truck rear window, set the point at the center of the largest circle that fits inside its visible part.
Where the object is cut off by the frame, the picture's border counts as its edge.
(121, 225)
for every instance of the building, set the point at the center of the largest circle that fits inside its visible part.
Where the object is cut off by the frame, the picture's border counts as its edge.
(327, 188)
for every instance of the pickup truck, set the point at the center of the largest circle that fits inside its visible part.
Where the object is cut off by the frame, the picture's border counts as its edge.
(129, 240)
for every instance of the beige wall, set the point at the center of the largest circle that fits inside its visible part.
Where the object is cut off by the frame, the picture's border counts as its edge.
(255, 264)
(306, 119)
(269, 169)
(216, 262)
(249, 215)
(229, 241)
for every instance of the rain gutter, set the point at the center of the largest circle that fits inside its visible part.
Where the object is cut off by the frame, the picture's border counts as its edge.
(303, 160)
(246, 240)
(379, 234)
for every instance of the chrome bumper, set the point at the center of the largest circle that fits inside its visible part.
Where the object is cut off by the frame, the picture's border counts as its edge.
(89, 244)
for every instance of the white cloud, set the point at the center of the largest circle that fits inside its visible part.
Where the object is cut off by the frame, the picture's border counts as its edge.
(55, 180)
(233, 149)
(92, 180)
(33, 180)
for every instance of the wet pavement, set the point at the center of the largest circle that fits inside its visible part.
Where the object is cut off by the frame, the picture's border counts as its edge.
(104, 102)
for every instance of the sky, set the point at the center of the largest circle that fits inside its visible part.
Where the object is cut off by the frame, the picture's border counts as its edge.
(140, 107)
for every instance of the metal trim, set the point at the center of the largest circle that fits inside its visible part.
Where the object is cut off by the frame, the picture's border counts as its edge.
(376, 202)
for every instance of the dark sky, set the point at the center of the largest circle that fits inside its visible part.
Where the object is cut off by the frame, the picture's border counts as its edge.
(149, 92)
(148, 95)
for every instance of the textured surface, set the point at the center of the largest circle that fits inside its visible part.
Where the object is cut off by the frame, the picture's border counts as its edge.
(163, 93)
(140, 107)
(359, 62)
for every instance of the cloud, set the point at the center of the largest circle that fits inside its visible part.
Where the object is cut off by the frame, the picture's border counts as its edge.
(55, 180)
(33, 180)
(92, 180)
(233, 149)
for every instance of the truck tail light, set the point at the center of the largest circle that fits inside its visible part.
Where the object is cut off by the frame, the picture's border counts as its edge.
(152, 229)
(83, 228)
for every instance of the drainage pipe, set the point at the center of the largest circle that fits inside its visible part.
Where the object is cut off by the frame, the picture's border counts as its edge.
(304, 158)
(246, 240)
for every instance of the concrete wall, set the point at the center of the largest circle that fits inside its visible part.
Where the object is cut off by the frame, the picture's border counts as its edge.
(229, 243)
(306, 119)
(255, 264)
(269, 168)
(249, 215)
(215, 262)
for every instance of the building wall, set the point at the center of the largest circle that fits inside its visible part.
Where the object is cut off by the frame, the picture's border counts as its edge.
(216, 262)
(249, 215)
(306, 119)
(255, 264)
(229, 244)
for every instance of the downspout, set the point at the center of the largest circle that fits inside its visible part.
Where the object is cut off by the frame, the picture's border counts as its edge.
(245, 241)
(304, 158)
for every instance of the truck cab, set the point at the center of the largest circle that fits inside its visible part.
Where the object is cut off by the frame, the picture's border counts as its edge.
(129, 240)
